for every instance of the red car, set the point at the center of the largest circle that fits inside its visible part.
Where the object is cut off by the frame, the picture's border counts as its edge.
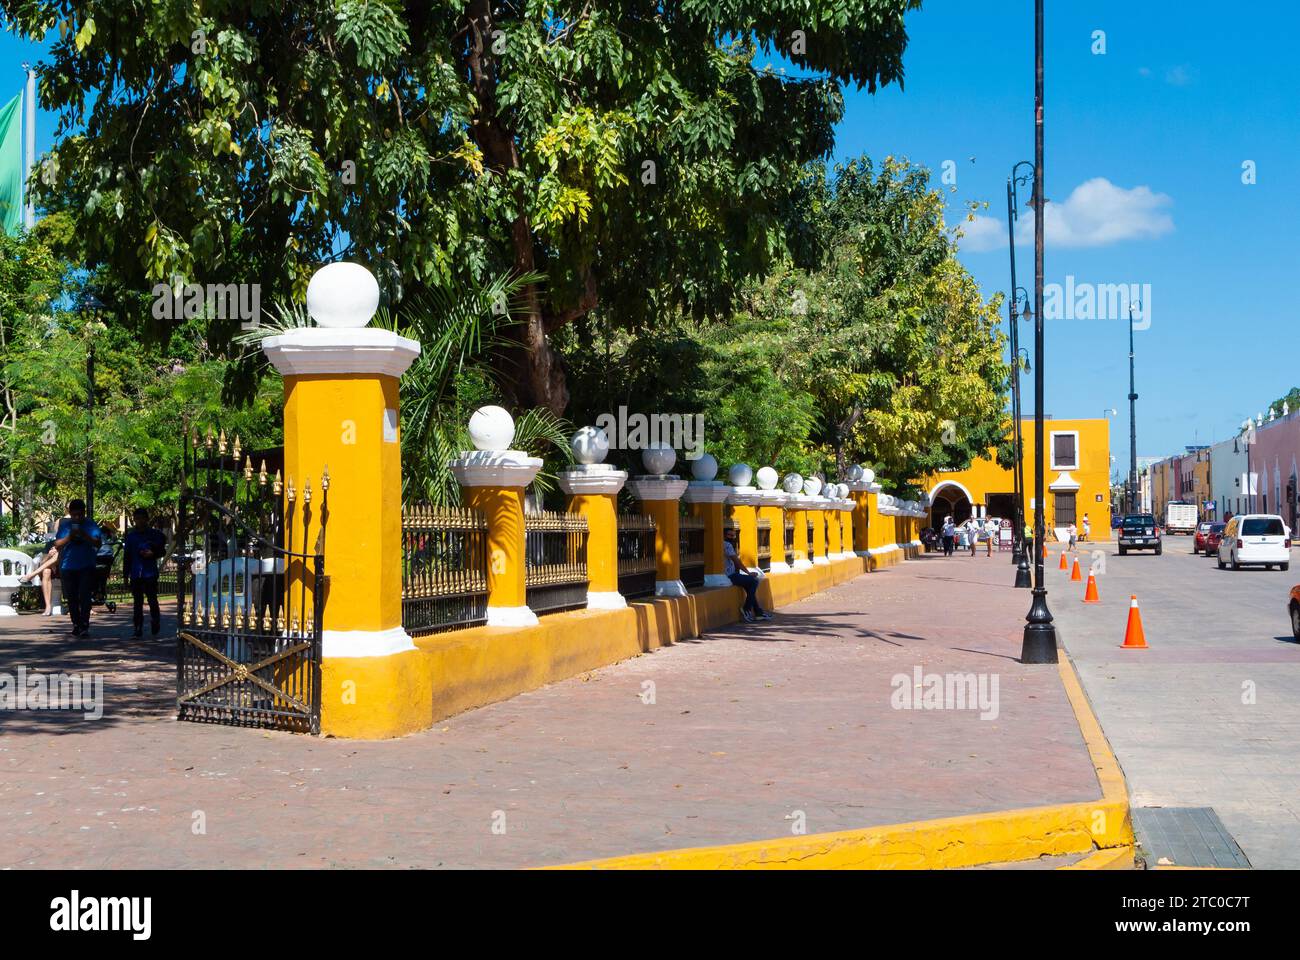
(1199, 543)
(1210, 546)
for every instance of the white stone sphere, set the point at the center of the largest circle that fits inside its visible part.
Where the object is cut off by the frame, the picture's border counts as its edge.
(767, 478)
(590, 445)
(705, 468)
(812, 486)
(868, 475)
(855, 473)
(658, 458)
(492, 428)
(841, 490)
(792, 483)
(342, 295)
(740, 475)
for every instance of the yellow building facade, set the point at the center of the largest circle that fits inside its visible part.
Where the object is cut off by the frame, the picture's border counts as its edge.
(1076, 480)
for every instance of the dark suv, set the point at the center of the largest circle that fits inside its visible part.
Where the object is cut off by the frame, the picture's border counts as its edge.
(1138, 531)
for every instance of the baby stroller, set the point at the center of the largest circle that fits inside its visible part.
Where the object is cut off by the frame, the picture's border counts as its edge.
(104, 562)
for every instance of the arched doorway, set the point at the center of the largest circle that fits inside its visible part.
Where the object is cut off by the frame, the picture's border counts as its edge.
(950, 498)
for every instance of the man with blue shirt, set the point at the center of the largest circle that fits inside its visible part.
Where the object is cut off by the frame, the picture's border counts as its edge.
(77, 539)
(144, 545)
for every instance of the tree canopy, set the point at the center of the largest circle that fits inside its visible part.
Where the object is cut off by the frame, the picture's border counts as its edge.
(644, 155)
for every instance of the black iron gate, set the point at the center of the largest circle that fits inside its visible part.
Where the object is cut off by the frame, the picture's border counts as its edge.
(250, 592)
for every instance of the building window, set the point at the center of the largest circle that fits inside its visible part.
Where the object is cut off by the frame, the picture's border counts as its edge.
(1065, 450)
(1064, 505)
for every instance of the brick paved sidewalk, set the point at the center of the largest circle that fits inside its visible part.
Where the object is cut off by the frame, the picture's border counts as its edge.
(751, 729)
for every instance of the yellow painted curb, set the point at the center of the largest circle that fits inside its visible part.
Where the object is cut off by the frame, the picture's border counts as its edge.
(1118, 858)
(965, 841)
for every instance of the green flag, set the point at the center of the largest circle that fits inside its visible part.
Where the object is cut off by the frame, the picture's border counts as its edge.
(11, 166)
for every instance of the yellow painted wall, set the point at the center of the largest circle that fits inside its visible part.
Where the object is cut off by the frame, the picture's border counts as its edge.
(984, 477)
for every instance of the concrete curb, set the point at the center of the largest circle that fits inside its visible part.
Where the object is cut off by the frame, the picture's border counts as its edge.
(1101, 825)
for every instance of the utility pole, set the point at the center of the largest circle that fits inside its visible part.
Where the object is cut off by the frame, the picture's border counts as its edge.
(1132, 421)
(1039, 643)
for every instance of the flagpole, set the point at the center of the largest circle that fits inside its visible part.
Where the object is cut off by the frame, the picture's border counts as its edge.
(30, 105)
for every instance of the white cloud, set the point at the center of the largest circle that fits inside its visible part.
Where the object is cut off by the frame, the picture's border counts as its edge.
(982, 234)
(1095, 214)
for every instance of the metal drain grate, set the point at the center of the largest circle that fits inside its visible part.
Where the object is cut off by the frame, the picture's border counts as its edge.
(1186, 837)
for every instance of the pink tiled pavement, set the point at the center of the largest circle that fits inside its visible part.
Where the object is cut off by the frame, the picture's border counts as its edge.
(752, 731)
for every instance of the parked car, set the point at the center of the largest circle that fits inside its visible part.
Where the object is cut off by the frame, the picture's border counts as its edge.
(1293, 608)
(1255, 538)
(1202, 540)
(1138, 531)
(1213, 538)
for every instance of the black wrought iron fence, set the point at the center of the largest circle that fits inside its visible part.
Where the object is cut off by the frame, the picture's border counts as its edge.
(636, 555)
(690, 555)
(765, 545)
(118, 588)
(789, 541)
(555, 552)
(444, 568)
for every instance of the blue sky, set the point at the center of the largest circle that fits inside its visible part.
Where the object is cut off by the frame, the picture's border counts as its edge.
(1184, 93)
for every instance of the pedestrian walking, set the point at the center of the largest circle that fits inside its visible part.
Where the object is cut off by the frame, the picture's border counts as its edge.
(144, 545)
(1087, 528)
(77, 539)
(1074, 535)
(949, 536)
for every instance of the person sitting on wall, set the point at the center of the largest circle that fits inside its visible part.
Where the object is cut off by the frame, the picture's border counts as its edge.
(742, 577)
(44, 573)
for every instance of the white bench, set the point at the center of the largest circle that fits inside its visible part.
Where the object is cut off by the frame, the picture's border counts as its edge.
(13, 564)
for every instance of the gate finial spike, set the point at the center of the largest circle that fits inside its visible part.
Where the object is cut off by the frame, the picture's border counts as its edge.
(236, 449)
(278, 485)
(248, 467)
(261, 475)
(306, 491)
(325, 479)
(221, 442)
(207, 438)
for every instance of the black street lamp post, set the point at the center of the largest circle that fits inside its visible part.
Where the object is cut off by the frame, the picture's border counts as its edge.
(1039, 643)
(1019, 556)
(92, 305)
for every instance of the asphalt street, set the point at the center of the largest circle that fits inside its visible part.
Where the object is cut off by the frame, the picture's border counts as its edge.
(1209, 714)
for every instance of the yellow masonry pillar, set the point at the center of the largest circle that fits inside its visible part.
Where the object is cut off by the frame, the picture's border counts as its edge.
(743, 505)
(660, 493)
(592, 487)
(817, 512)
(341, 414)
(861, 480)
(772, 509)
(797, 509)
(707, 496)
(493, 479)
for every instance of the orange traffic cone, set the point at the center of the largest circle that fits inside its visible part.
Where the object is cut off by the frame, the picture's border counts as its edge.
(1134, 638)
(1064, 565)
(1090, 594)
(1075, 576)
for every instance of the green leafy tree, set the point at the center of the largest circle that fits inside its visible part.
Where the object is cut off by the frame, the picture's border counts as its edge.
(643, 154)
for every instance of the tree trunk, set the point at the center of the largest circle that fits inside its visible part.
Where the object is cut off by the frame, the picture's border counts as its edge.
(530, 369)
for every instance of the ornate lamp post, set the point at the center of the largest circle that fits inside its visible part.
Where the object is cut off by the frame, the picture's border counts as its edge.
(1018, 296)
(93, 307)
(1039, 643)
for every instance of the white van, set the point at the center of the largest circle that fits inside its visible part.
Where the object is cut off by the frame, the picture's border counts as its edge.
(1260, 538)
